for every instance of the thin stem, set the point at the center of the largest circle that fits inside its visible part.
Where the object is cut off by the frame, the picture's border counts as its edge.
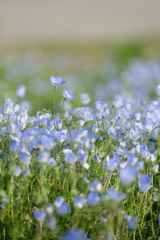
(54, 105)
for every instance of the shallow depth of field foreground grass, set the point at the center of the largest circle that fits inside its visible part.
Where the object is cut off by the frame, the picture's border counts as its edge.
(92, 173)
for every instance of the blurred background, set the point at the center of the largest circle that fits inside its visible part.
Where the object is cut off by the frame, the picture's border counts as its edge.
(103, 48)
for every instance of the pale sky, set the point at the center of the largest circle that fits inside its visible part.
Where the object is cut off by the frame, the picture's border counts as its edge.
(33, 20)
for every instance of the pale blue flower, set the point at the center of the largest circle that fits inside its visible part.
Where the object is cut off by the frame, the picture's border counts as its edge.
(58, 124)
(68, 94)
(63, 209)
(26, 172)
(85, 98)
(112, 164)
(49, 209)
(25, 158)
(71, 158)
(153, 157)
(23, 110)
(138, 166)
(48, 142)
(56, 81)
(118, 103)
(140, 127)
(76, 234)
(157, 90)
(144, 151)
(95, 186)
(59, 201)
(21, 91)
(122, 151)
(8, 106)
(115, 196)
(127, 175)
(84, 114)
(124, 114)
(39, 215)
(156, 198)
(1, 117)
(13, 128)
(132, 159)
(75, 135)
(96, 158)
(132, 221)
(144, 183)
(138, 116)
(93, 199)
(14, 146)
(43, 157)
(155, 168)
(92, 136)
(18, 171)
(79, 202)
(52, 223)
(51, 162)
(104, 112)
(82, 155)
(61, 135)
(150, 126)
(134, 135)
(99, 105)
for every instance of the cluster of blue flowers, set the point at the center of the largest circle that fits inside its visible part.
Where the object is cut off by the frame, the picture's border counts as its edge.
(122, 145)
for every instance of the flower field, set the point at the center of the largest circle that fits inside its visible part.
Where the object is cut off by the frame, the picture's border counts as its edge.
(87, 168)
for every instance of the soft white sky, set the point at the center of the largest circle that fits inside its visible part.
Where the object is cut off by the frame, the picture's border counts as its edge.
(32, 20)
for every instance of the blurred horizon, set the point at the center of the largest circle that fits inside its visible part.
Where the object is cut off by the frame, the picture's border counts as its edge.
(38, 22)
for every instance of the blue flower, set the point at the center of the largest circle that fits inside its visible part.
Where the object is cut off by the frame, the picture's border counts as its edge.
(112, 164)
(76, 234)
(71, 158)
(93, 198)
(68, 94)
(63, 209)
(95, 186)
(85, 98)
(18, 171)
(132, 221)
(115, 196)
(39, 215)
(127, 175)
(21, 91)
(59, 201)
(43, 157)
(144, 183)
(56, 81)
(79, 202)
